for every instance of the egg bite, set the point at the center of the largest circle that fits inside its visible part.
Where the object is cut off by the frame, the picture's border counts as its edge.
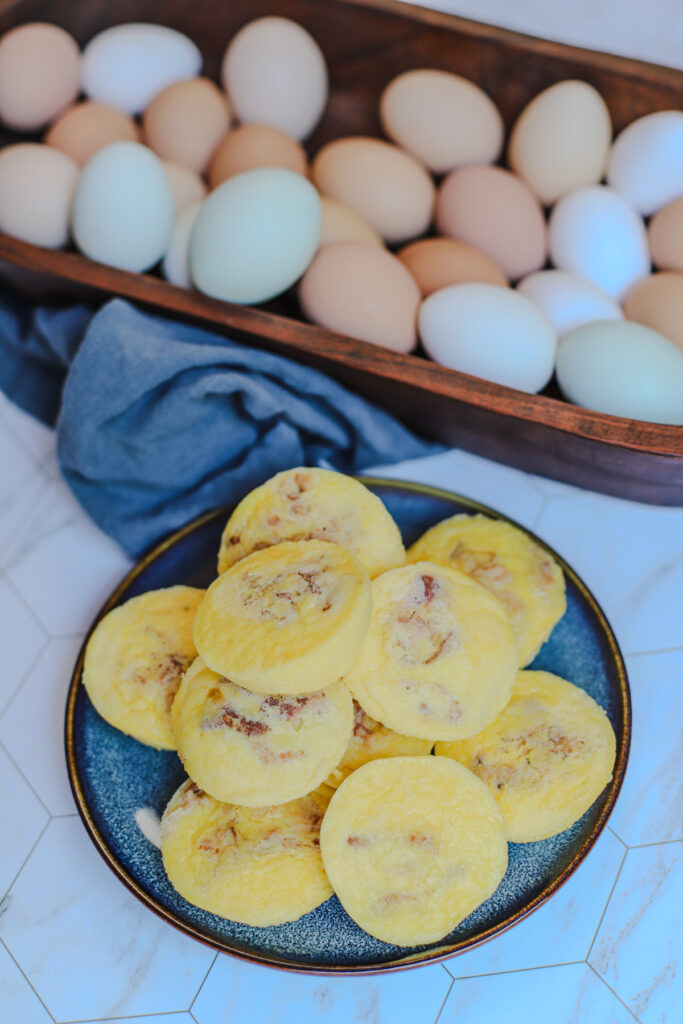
(546, 758)
(440, 656)
(259, 866)
(135, 659)
(524, 577)
(248, 749)
(289, 619)
(314, 504)
(412, 847)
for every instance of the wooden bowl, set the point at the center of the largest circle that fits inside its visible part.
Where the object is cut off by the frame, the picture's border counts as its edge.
(366, 43)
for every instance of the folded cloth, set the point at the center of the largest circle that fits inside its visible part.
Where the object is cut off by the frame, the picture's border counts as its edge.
(161, 421)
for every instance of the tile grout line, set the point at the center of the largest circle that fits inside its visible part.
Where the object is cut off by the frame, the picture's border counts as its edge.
(607, 901)
(24, 863)
(18, 436)
(659, 650)
(516, 970)
(27, 980)
(30, 786)
(201, 986)
(617, 837)
(141, 1016)
(27, 673)
(615, 994)
(539, 513)
(29, 608)
(445, 998)
(660, 842)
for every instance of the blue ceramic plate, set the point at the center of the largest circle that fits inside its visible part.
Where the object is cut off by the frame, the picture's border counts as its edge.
(112, 775)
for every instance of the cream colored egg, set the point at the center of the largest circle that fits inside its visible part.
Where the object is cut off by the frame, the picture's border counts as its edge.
(342, 224)
(646, 162)
(275, 73)
(36, 190)
(437, 262)
(657, 302)
(87, 127)
(186, 185)
(255, 145)
(561, 139)
(665, 235)
(568, 300)
(359, 289)
(185, 122)
(494, 211)
(624, 369)
(40, 70)
(442, 119)
(386, 186)
(176, 264)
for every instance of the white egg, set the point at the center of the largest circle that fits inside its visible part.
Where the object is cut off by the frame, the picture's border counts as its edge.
(176, 264)
(275, 73)
(255, 235)
(491, 332)
(127, 65)
(567, 300)
(123, 207)
(646, 163)
(624, 369)
(595, 234)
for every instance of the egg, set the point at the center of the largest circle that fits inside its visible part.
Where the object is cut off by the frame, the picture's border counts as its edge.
(123, 207)
(646, 162)
(665, 235)
(437, 262)
(176, 264)
(127, 65)
(275, 73)
(595, 233)
(386, 186)
(561, 140)
(187, 187)
(255, 145)
(490, 332)
(494, 211)
(568, 301)
(40, 71)
(255, 235)
(86, 127)
(442, 119)
(657, 302)
(36, 190)
(358, 289)
(185, 122)
(623, 369)
(341, 224)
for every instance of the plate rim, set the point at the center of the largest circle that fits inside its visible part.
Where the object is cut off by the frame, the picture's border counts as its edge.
(439, 953)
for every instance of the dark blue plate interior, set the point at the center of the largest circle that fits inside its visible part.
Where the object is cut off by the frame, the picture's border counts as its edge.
(113, 775)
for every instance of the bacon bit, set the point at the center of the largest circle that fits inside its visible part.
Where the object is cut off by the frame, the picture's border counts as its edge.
(194, 788)
(431, 587)
(248, 726)
(439, 651)
(286, 597)
(310, 580)
(326, 607)
(421, 839)
(273, 520)
(559, 741)
(357, 841)
(235, 539)
(397, 897)
(260, 545)
(360, 729)
(287, 708)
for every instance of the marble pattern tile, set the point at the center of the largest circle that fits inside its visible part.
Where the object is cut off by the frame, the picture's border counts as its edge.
(236, 992)
(19, 1003)
(58, 924)
(639, 941)
(22, 481)
(650, 805)
(39, 440)
(155, 1018)
(24, 816)
(22, 641)
(571, 994)
(66, 567)
(631, 556)
(32, 728)
(561, 930)
(507, 490)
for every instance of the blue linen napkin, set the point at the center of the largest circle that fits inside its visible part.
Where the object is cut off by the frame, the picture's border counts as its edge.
(161, 421)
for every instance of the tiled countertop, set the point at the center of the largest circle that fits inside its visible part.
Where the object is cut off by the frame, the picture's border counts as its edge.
(76, 946)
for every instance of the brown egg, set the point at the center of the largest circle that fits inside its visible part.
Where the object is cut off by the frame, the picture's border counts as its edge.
(256, 145)
(186, 185)
(657, 302)
(665, 235)
(437, 262)
(40, 74)
(87, 127)
(363, 291)
(340, 224)
(384, 184)
(186, 121)
(493, 210)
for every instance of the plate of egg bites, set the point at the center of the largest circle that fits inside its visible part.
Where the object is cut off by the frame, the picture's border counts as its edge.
(552, 253)
(351, 724)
